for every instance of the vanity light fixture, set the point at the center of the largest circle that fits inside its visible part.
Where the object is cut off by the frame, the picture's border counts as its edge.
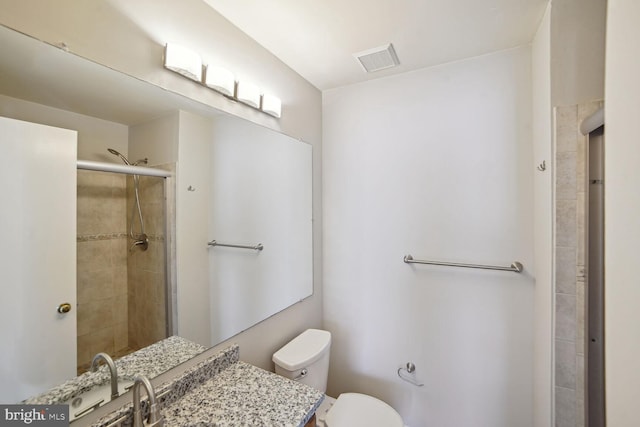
(249, 94)
(271, 105)
(221, 80)
(183, 61)
(189, 64)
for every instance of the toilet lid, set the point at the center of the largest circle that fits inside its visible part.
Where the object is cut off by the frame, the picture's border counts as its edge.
(361, 410)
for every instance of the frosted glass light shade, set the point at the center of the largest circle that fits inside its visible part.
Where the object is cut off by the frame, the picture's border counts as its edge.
(271, 105)
(220, 79)
(249, 94)
(183, 61)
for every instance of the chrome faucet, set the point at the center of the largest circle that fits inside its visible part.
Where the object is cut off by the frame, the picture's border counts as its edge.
(155, 418)
(112, 368)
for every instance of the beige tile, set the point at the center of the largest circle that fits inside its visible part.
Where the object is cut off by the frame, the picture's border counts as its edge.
(566, 175)
(580, 376)
(136, 278)
(121, 337)
(120, 309)
(581, 392)
(580, 413)
(96, 204)
(566, 317)
(581, 164)
(84, 354)
(101, 341)
(95, 286)
(581, 232)
(565, 364)
(586, 109)
(93, 316)
(565, 400)
(93, 217)
(119, 186)
(157, 262)
(132, 323)
(580, 318)
(161, 288)
(566, 223)
(566, 126)
(93, 255)
(566, 270)
(119, 253)
(94, 184)
(154, 218)
(139, 259)
(152, 188)
(120, 281)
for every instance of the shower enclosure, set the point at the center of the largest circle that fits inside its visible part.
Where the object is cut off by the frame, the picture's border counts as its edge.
(595, 289)
(121, 274)
(579, 259)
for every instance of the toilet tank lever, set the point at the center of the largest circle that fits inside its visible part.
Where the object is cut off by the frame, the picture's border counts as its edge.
(303, 373)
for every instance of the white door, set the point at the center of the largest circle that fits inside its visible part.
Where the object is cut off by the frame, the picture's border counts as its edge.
(37, 257)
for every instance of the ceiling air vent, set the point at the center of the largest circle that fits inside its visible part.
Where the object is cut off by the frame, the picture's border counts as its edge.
(377, 58)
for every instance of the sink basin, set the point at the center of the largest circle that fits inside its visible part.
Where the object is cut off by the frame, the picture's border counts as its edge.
(94, 398)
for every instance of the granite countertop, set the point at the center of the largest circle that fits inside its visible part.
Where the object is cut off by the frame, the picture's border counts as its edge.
(149, 361)
(222, 391)
(245, 395)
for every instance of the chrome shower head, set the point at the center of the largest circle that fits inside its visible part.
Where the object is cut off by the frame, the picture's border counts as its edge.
(114, 152)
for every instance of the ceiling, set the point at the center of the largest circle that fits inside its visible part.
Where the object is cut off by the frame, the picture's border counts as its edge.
(317, 38)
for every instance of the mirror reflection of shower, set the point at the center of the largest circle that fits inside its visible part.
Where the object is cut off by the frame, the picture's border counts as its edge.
(138, 237)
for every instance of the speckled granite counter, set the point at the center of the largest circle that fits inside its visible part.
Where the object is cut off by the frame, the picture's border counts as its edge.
(222, 391)
(244, 395)
(149, 361)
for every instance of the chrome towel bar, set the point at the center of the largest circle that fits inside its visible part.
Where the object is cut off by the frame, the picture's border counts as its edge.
(516, 266)
(257, 247)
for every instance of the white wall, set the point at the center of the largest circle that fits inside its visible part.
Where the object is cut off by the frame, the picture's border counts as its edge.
(156, 140)
(577, 51)
(436, 163)
(192, 216)
(130, 36)
(543, 223)
(622, 205)
(94, 135)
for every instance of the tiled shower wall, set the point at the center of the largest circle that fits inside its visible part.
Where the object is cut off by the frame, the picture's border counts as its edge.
(121, 292)
(102, 266)
(146, 269)
(570, 263)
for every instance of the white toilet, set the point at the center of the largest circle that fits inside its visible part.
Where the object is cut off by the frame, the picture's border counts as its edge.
(306, 359)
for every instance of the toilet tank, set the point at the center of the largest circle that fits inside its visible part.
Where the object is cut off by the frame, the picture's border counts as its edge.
(306, 358)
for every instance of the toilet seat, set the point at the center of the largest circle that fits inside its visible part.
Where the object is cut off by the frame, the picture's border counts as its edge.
(361, 410)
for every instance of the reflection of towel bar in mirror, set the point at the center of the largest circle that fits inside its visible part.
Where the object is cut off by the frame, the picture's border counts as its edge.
(257, 247)
(516, 266)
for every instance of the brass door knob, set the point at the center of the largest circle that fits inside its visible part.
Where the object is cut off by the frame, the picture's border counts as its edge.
(65, 307)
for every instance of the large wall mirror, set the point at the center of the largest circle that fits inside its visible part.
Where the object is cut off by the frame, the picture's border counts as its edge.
(231, 182)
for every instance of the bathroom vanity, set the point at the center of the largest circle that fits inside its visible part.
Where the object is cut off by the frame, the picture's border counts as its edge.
(223, 391)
